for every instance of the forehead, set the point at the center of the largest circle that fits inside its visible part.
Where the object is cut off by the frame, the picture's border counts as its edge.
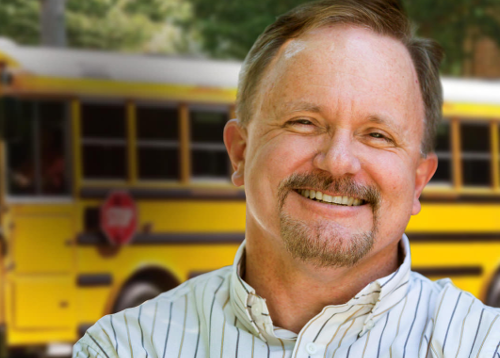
(344, 63)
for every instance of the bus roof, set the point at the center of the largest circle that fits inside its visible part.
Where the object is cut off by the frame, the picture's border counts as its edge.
(76, 63)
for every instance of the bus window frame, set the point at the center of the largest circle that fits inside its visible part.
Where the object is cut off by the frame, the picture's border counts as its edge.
(495, 155)
(38, 196)
(486, 156)
(136, 143)
(444, 155)
(132, 144)
(457, 186)
(228, 110)
(79, 141)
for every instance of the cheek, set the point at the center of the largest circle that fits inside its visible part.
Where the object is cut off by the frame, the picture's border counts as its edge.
(282, 156)
(396, 183)
(393, 175)
(269, 162)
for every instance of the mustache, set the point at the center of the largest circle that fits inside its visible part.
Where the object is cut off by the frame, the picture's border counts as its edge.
(322, 181)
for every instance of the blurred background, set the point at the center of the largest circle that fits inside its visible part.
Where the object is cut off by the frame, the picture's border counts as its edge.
(114, 180)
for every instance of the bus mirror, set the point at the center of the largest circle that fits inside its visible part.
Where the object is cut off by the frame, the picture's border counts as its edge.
(10, 118)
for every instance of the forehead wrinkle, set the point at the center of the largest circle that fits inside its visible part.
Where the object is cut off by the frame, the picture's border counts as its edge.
(277, 74)
(299, 106)
(342, 73)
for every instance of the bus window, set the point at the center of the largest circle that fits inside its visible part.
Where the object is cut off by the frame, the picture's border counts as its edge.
(104, 141)
(21, 156)
(36, 160)
(157, 142)
(52, 133)
(209, 158)
(443, 151)
(475, 141)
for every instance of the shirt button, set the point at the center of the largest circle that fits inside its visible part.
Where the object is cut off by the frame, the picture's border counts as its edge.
(256, 309)
(311, 348)
(369, 324)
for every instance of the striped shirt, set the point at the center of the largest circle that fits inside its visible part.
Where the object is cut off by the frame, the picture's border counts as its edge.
(219, 315)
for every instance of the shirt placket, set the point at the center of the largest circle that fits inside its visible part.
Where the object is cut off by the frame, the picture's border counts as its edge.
(329, 330)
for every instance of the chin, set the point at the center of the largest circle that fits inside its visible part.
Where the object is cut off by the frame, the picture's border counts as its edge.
(325, 244)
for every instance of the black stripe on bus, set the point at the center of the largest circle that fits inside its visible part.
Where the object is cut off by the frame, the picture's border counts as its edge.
(83, 328)
(460, 198)
(212, 194)
(97, 238)
(471, 237)
(167, 238)
(233, 194)
(449, 271)
(94, 279)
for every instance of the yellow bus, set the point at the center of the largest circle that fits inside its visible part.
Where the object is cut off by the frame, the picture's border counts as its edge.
(77, 125)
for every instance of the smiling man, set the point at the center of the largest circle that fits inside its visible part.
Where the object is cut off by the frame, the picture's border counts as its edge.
(337, 109)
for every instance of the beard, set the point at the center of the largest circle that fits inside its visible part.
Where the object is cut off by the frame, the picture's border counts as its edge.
(323, 244)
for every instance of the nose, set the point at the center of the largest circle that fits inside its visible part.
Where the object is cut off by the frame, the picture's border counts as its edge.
(337, 155)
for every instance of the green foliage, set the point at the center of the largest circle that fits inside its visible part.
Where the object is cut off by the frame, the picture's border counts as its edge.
(230, 27)
(128, 25)
(120, 25)
(19, 20)
(453, 23)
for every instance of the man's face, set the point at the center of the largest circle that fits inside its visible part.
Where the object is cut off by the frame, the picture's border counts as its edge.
(339, 111)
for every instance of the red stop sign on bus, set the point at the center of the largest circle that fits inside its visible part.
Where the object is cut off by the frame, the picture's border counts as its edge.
(119, 218)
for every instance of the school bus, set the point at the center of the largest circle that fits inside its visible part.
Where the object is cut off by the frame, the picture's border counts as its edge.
(78, 125)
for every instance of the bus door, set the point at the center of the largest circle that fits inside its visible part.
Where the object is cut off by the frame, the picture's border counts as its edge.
(40, 256)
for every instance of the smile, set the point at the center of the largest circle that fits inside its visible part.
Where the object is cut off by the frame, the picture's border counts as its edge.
(329, 199)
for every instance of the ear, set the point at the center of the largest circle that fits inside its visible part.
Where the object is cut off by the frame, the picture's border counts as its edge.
(235, 139)
(425, 170)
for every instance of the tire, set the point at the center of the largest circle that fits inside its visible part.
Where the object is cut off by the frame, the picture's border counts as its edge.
(493, 298)
(136, 293)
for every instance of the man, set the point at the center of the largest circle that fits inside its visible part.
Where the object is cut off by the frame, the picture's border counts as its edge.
(337, 109)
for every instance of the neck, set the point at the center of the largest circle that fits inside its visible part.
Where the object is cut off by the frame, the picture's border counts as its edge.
(296, 291)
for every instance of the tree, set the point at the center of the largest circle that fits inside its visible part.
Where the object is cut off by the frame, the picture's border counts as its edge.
(121, 25)
(229, 28)
(19, 21)
(456, 25)
(129, 25)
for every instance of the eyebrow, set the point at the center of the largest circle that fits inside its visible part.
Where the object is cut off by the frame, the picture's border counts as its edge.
(385, 122)
(304, 106)
(299, 106)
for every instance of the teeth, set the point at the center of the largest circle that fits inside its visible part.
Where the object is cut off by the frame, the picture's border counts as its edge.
(319, 196)
(337, 199)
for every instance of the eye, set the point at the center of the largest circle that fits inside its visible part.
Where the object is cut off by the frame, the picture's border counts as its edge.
(379, 137)
(301, 121)
(302, 125)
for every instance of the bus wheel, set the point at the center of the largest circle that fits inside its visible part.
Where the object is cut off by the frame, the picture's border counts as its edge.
(493, 298)
(136, 293)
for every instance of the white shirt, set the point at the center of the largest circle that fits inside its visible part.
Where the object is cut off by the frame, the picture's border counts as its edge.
(219, 315)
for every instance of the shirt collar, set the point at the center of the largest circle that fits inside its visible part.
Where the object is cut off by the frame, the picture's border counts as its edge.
(251, 309)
